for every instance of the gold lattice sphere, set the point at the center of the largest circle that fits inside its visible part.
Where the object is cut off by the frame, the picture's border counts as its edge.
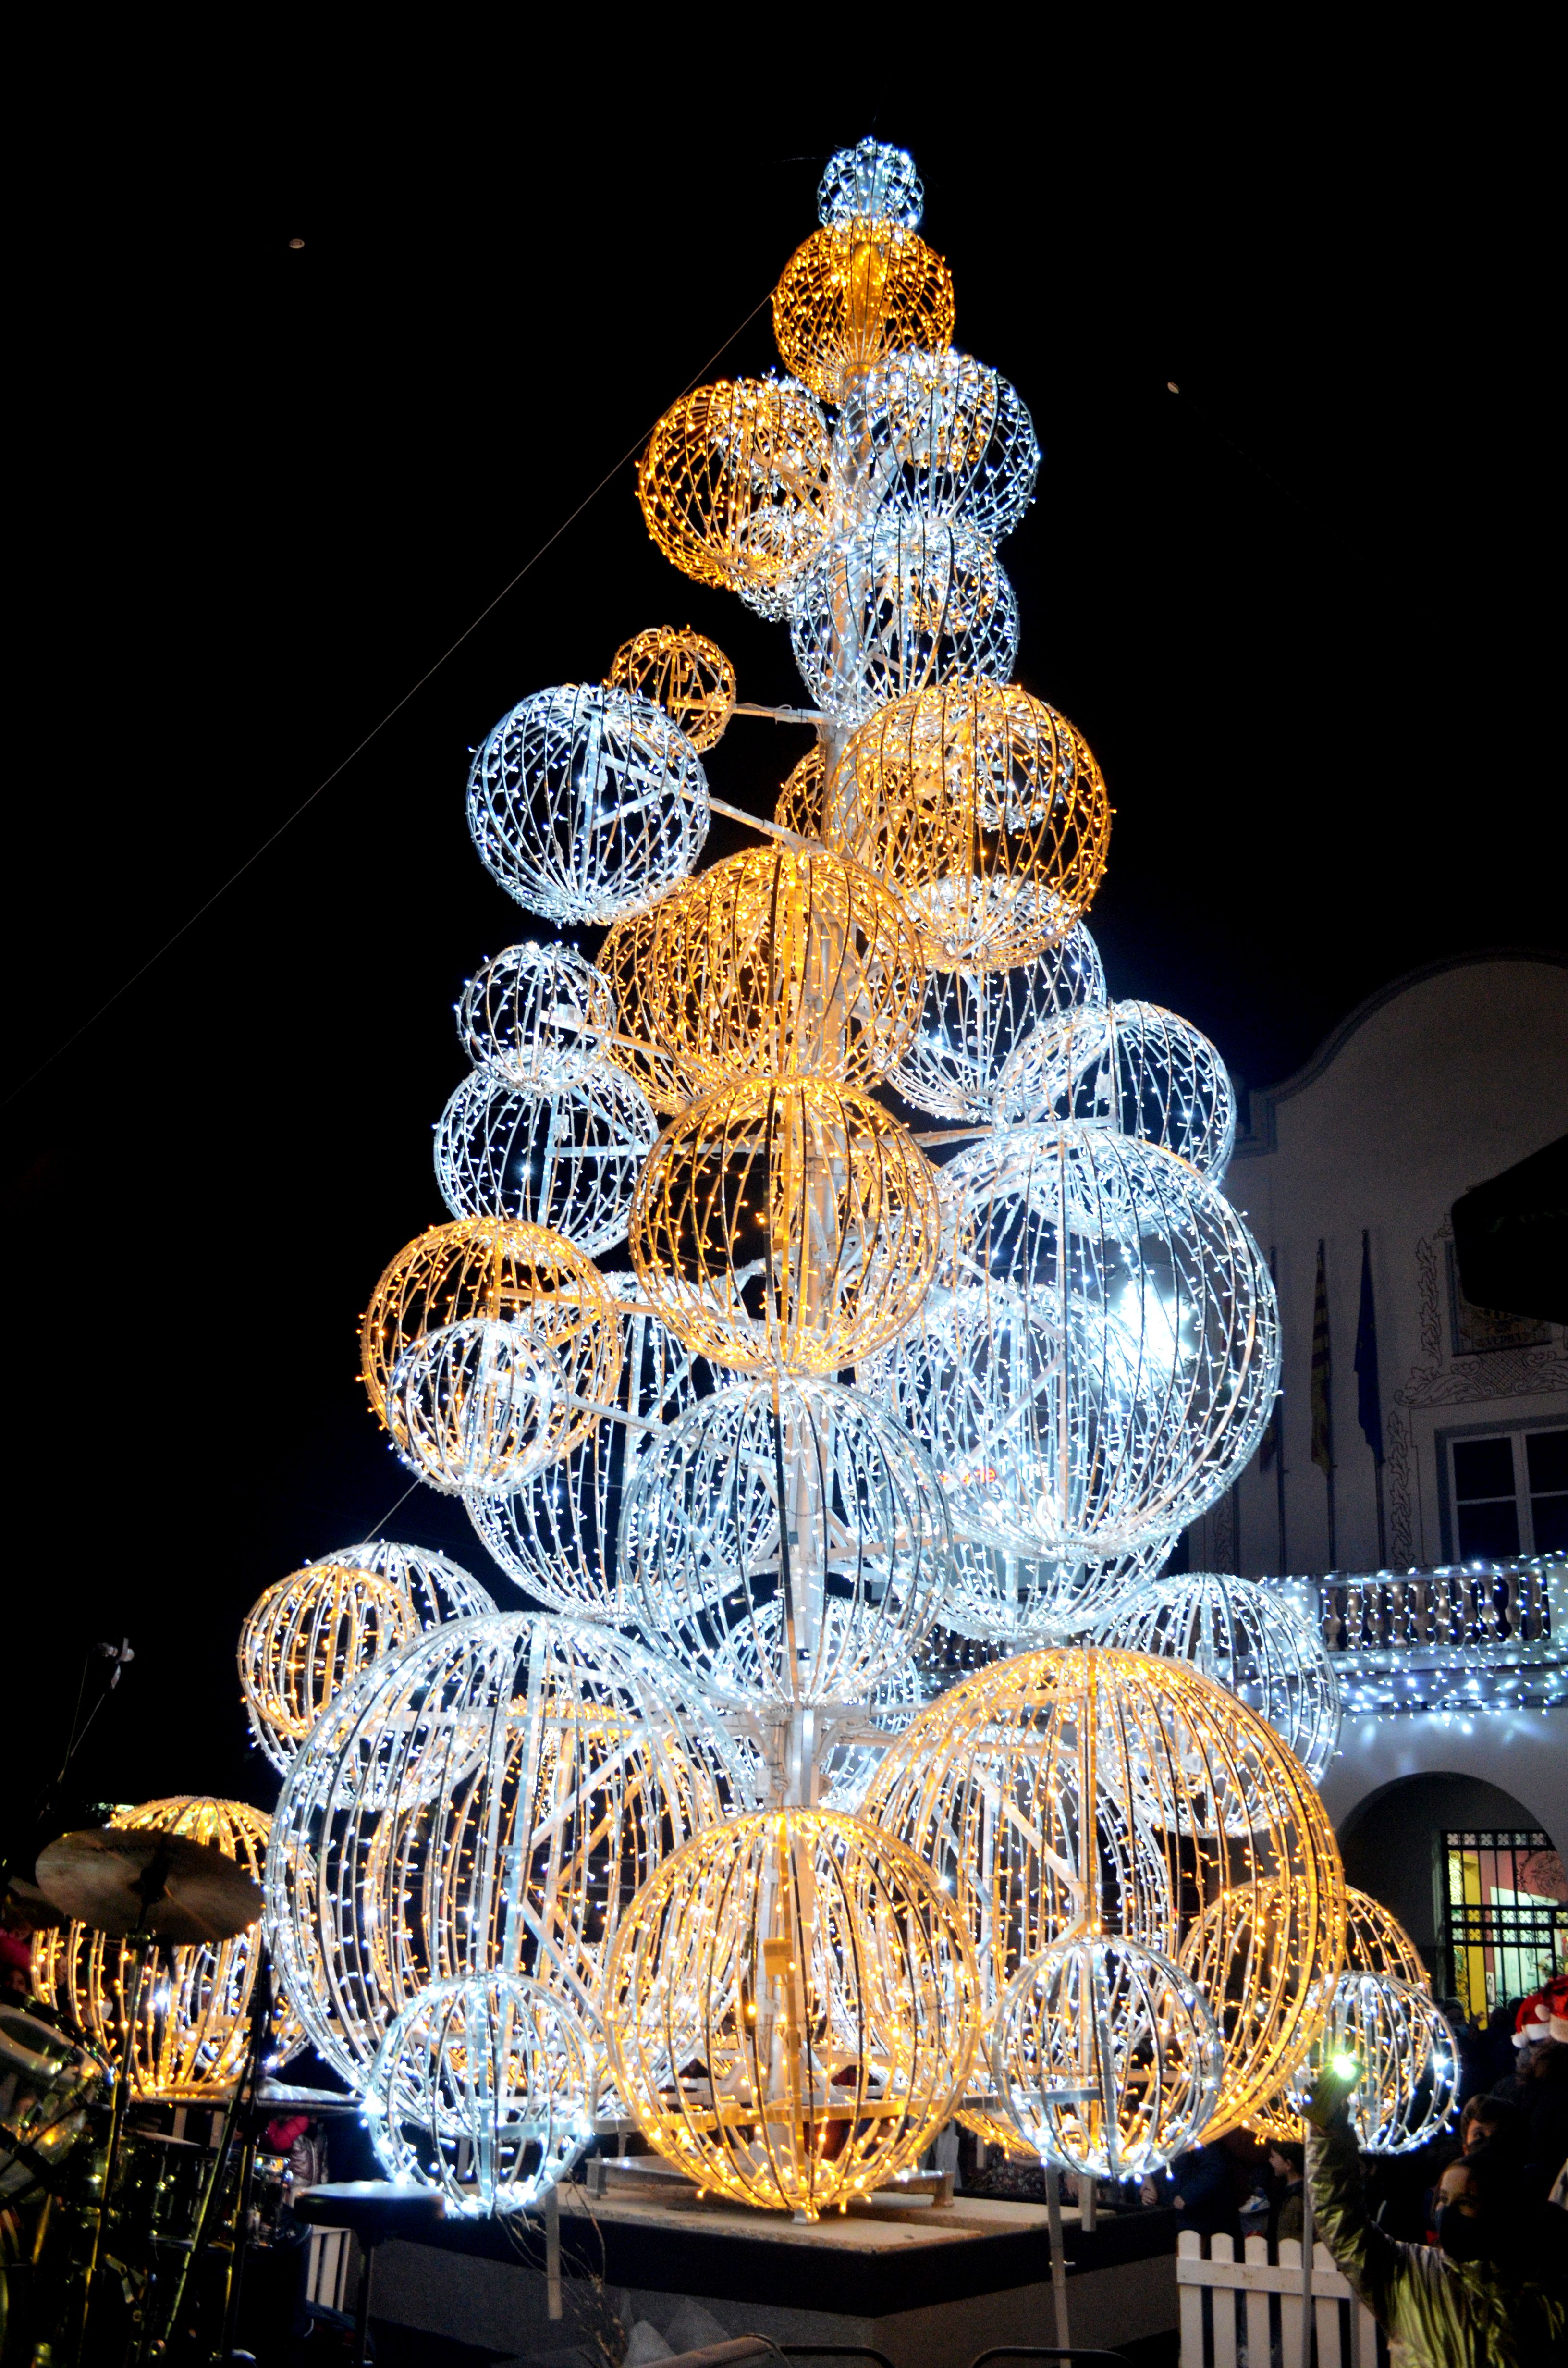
(984, 809)
(783, 963)
(797, 806)
(854, 292)
(305, 1638)
(1075, 1786)
(190, 2040)
(684, 673)
(626, 960)
(736, 486)
(1375, 1942)
(790, 2009)
(479, 1336)
(793, 1224)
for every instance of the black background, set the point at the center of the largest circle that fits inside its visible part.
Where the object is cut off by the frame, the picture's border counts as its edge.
(1292, 607)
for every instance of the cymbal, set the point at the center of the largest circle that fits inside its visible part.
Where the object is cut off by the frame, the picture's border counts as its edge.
(123, 1880)
(27, 1900)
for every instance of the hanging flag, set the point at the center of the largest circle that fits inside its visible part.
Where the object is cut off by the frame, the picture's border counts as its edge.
(1323, 1419)
(1274, 1437)
(1369, 1396)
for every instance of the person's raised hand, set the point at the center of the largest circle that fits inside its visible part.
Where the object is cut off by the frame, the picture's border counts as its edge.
(1339, 2074)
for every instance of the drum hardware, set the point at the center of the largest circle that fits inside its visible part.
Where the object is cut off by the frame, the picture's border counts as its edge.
(118, 1657)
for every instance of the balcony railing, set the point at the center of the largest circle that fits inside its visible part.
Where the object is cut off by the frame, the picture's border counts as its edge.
(1465, 1638)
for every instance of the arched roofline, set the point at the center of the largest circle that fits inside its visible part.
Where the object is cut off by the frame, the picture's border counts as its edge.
(1261, 1135)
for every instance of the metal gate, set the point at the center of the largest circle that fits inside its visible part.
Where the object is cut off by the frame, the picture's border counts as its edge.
(1504, 1928)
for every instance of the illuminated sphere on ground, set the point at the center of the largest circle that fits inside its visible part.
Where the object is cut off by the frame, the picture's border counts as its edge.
(684, 673)
(779, 964)
(1123, 2022)
(868, 1536)
(871, 182)
(736, 487)
(192, 2024)
(1246, 1638)
(854, 292)
(938, 433)
(1145, 1070)
(1410, 2068)
(793, 1224)
(1192, 1795)
(585, 802)
(305, 1638)
(984, 809)
(477, 1337)
(1100, 1354)
(972, 1020)
(482, 2090)
(568, 1160)
(901, 607)
(790, 2010)
(556, 1533)
(538, 1014)
(485, 1801)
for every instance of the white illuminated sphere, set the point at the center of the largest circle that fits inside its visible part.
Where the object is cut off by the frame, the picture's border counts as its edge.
(867, 1537)
(972, 1020)
(485, 1801)
(853, 1755)
(569, 1159)
(437, 1587)
(585, 802)
(1096, 1361)
(466, 1406)
(1239, 1633)
(872, 182)
(539, 1013)
(938, 433)
(1140, 1068)
(1106, 2016)
(556, 1534)
(482, 2090)
(1410, 2069)
(905, 604)
(997, 1595)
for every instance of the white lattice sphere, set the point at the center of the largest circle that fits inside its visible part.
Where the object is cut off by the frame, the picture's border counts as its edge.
(1123, 2024)
(304, 1640)
(556, 1534)
(855, 1751)
(1098, 1360)
(568, 1160)
(790, 2010)
(487, 1799)
(903, 605)
(938, 433)
(1144, 1070)
(585, 802)
(1247, 1639)
(871, 182)
(1071, 1788)
(703, 1535)
(972, 1020)
(1409, 2082)
(984, 809)
(482, 2090)
(790, 1224)
(1016, 1599)
(483, 1340)
(538, 1014)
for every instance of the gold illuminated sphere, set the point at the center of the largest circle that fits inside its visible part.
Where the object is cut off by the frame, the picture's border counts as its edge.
(477, 1337)
(305, 1638)
(684, 673)
(626, 960)
(736, 486)
(190, 2040)
(797, 806)
(1375, 1942)
(854, 292)
(782, 962)
(793, 1224)
(790, 2009)
(984, 809)
(1072, 1786)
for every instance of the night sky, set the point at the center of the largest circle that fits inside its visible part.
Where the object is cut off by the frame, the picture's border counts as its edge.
(1291, 608)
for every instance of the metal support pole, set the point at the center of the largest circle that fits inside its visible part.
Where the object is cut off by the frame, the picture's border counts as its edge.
(1307, 2248)
(1058, 2259)
(553, 2252)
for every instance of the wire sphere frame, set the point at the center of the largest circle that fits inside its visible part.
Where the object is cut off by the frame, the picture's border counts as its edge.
(790, 2005)
(537, 1014)
(854, 292)
(567, 1161)
(586, 801)
(972, 1021)
(1410, 2068)
(686, 677)
(901, 607)
(1142, 1069)
(938, 433)
(871, 182)
(736, 487)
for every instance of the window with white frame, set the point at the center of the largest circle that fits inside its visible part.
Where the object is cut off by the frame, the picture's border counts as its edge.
(1508, 1492)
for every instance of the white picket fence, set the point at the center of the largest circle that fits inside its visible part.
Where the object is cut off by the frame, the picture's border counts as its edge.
(1254, 2319)
(329, 2256)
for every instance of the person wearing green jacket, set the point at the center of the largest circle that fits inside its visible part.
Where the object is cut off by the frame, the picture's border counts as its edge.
(1481, 2298)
